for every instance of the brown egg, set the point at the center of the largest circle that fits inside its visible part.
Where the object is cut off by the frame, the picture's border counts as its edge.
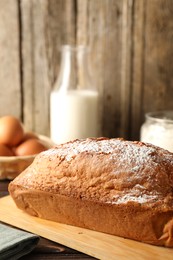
(11, 131)
(29, 135)
(30, 147)
(5, 151)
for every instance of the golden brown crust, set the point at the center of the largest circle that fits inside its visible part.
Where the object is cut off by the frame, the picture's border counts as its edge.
(127, 185)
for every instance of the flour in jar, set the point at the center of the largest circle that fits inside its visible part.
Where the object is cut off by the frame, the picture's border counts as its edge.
(158, 130)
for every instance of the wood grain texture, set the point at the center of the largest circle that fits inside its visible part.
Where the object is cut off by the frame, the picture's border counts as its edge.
(126, 69)
(10, 94)
(158, 81)
(130, 58)
(97, 244)
(36, 83)
(90, 32)
(137, 72)
(99, 24)
(152, 84)
(46, 25)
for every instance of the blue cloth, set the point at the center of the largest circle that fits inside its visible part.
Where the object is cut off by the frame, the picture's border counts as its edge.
(15, 243)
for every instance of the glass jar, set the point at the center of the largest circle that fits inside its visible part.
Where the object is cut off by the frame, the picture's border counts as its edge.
(158, 129)
(73, 101)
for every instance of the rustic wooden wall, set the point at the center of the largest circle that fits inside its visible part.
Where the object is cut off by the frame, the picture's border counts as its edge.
(131, 57)
(10, 74)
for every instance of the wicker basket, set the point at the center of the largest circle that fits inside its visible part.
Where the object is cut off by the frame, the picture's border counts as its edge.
(11, 166)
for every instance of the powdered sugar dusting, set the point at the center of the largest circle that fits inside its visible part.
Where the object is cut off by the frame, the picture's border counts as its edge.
(128, 151)
(143, 198)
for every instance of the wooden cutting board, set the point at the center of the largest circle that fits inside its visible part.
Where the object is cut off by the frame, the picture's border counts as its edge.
(96, 244)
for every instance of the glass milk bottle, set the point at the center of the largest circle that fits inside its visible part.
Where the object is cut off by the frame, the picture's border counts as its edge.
(73, 101)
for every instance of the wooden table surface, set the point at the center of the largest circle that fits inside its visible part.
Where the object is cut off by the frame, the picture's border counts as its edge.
(47, 249)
